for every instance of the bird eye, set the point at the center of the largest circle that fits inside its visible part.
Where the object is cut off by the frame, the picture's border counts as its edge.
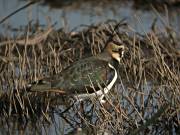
(115, 51)
(120, 50)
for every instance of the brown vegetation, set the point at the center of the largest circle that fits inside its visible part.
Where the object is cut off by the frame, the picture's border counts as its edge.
(145, 99)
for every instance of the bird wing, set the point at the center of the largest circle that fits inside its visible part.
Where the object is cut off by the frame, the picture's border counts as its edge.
(84, 75)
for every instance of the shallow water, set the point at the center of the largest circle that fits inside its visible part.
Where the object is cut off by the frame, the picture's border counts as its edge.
(83, 13)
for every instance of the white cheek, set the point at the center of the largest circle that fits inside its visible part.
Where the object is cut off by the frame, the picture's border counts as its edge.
(118, 59)
(122, 54)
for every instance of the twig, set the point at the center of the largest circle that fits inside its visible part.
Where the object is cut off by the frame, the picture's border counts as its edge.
(21, 8)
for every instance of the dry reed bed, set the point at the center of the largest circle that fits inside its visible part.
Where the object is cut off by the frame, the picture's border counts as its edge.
(145, 99)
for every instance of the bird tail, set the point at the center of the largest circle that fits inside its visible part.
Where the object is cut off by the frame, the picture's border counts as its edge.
(45, 88)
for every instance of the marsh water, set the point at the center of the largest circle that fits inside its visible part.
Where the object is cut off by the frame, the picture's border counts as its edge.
(74, 16)
(81, 13)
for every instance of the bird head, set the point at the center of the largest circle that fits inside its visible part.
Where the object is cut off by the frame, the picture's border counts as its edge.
(115, 50)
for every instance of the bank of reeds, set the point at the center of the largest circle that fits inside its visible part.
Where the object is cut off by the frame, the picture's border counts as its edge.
(144, 100)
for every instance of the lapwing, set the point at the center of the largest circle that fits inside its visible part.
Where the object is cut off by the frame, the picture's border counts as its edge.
(89, 77)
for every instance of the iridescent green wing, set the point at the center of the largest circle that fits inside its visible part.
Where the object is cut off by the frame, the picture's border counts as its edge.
(82, 75)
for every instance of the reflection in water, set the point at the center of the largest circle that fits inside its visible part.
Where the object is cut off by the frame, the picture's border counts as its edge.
(81, 118)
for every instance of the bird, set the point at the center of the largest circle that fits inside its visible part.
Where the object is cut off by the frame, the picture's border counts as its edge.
(89, 77)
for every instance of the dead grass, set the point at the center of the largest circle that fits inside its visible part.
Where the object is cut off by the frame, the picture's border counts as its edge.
(145, 99)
